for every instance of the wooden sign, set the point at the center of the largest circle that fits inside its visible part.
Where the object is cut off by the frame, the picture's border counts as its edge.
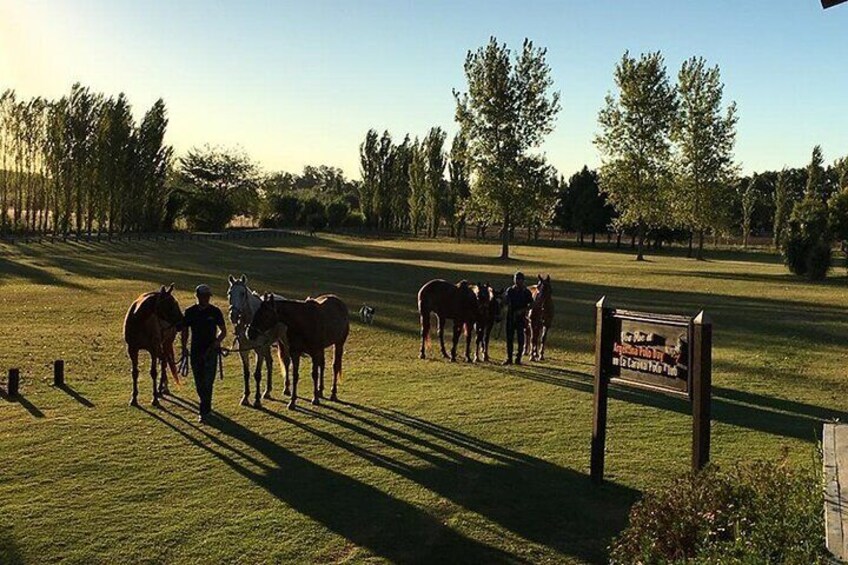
(661, 353)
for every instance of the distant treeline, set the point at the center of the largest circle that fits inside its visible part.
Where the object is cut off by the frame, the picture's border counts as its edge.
(81, 163)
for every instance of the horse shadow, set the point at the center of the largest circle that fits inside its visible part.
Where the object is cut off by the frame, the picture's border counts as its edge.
(368, 517)
(10, 552)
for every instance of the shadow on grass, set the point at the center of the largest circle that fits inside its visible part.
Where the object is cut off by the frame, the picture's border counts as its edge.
(67, 389)
(390, 528)
(10, 553)
(753, 411)
(21, 399)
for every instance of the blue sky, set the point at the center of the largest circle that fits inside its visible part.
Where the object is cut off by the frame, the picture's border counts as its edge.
(300, 83)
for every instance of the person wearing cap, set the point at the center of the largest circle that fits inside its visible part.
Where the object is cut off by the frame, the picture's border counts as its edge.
(208, 330)
(518, 300)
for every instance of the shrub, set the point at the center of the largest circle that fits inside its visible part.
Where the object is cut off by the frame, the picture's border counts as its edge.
(755, 513)
(316, 222)
(206, 211)
(280, 210)
(337, 213)
(806, 247)
(309, 208)
(355, 219)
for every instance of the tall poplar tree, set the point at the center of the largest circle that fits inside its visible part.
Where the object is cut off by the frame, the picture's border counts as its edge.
(505, 114)
(635, 143)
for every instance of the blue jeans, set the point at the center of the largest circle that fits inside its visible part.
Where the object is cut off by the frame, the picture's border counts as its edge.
(203, 368)
(514, 325)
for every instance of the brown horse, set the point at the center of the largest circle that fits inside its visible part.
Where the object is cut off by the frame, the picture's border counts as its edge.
(489, 313)
(447, 301)
(151, 325)
(312, 325)
(539, 319)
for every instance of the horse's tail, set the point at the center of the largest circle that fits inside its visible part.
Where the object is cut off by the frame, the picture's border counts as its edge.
(338, 352)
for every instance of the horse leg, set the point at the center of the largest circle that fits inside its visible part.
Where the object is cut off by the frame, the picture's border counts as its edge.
(133, 354)
(425, 333)
(269, 363)
(542, 344)
(245, 369)
(442, 323)
(478, 343)
(295, 370)
(317, 370)
(486, 339)
(283, 354)
(457, 329)
(257, 377)
(338, 351)
(468, 329)
(153, 362)
(163, 378)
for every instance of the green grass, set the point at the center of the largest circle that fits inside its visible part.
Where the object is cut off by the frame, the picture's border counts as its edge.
(426, 461)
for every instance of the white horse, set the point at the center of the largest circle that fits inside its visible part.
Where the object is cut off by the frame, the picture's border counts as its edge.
(243, 304)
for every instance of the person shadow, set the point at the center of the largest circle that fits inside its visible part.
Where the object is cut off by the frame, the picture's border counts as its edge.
(368, 517)
(541, 503)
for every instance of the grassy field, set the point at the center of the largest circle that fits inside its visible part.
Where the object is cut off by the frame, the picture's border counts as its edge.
(424, 461)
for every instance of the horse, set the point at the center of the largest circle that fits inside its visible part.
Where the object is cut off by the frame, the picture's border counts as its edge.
(448, 301)
(539, 319)
(151, 325)
(490, 311)
(243, 304)
(312, 325)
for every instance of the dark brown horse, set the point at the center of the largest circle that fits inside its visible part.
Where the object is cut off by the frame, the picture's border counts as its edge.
(489, 313)
(448, 301)
(539, 319)
(312, 325)
(151, 325)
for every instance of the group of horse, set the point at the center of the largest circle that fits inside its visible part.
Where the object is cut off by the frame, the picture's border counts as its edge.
(261, 321)
(308, 327)
(475, 309)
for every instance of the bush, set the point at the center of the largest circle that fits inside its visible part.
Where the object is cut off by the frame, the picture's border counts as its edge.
(755, 513)
(337, 213)
(316, 222)
(807, 246)
(311, 207)
(206, 211)
(280, 210)
(355, 219)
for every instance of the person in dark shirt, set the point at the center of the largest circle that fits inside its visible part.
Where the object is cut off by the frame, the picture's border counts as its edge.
(208, 330)
(518, 299)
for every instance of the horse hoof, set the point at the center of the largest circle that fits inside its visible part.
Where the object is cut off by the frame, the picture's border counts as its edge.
(316, 401)
(257, 403)
(245, 401)
(334, 397)
(421, 355)
(134, 402)
(164, 392)
(267, 395)
(291, 405)
(155, 402)
(286, 392)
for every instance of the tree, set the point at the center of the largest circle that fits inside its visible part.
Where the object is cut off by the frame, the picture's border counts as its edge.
(369, 162)
(400, 183)
(635, 143)
(417, 186)
(219, 184)
(434, 196)
(748, 199)
(504, 115)
(705, 134)
(782, 207)
(815, 176)
(583, 207)
(459, 184)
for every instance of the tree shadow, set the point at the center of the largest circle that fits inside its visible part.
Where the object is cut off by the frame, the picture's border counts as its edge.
(10, 553)
(75, 395)
(546, 504)
(19, 269)
(21, 399)
(747, 410)
(390, 528)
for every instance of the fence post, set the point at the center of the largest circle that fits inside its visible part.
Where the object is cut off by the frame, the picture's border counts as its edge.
(14, 384)
(59, 372)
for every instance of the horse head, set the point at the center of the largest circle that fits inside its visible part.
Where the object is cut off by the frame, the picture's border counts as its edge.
(238, 297)
(264, 319)
(167, 308)
(496, 305)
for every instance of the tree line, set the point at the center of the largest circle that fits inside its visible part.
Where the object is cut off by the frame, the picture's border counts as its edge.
(82, 164)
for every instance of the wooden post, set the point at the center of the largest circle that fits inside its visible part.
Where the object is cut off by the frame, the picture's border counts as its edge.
(599, 418)
(14, 384)
(59, 372)
(701, 367)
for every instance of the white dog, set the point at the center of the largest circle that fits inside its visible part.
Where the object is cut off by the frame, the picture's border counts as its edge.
(366, 313)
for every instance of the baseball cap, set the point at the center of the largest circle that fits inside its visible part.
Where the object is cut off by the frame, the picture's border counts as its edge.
(203, 289)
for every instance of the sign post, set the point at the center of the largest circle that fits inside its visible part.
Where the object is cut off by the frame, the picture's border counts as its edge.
(661, 353)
